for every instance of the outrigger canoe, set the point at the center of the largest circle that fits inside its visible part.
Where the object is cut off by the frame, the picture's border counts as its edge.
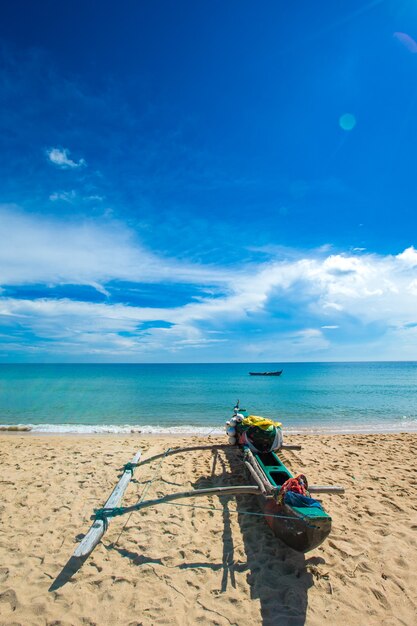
(299, 527)
(296, 518)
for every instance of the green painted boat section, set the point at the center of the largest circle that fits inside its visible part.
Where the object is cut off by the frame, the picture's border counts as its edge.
(310, 511)
(278, 473)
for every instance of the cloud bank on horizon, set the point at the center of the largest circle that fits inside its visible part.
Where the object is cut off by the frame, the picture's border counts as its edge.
(90, 290)
(171, 200)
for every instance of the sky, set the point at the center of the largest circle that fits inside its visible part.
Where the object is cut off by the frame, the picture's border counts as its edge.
(213, 181)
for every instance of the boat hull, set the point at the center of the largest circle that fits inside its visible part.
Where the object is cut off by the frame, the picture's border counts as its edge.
(265, 373)
(302, 528)
(297, 532)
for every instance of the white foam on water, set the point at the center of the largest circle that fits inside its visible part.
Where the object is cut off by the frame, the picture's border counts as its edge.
(396, 426)
(114, 429)
(409, 426)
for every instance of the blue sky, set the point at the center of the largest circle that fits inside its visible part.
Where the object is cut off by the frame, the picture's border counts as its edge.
(202, 182)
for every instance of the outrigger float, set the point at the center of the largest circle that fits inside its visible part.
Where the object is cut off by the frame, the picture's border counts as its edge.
(293, 516)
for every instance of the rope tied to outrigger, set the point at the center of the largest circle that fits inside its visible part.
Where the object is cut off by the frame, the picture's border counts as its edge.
(130, 467)
(104, 514)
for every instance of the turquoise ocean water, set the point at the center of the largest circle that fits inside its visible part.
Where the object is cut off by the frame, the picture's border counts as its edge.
(310, 397)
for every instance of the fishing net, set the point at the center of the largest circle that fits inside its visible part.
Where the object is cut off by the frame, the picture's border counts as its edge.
(259, 433)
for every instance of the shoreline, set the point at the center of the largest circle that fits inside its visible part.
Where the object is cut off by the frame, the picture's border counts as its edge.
(184, 431)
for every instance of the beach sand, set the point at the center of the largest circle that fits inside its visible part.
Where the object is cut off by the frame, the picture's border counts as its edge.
(183, 565)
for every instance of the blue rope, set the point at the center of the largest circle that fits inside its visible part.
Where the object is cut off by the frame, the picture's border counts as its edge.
(130, 467)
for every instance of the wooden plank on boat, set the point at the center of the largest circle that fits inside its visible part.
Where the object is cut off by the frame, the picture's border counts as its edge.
(326, 489)
(99, 527)
(255, 477)
(250, 458)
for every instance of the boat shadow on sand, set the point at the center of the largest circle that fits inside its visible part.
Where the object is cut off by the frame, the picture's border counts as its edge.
(278, 576)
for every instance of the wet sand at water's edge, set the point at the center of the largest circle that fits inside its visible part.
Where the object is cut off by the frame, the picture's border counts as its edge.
(187, 565)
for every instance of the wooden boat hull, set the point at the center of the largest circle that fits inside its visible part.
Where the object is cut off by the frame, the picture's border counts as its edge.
(295, 531)
(265, 373)
(301, 528)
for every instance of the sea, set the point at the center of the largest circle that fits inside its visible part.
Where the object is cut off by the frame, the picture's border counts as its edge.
(374, 397)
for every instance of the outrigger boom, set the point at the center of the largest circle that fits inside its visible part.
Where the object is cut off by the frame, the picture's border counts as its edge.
(264, 488)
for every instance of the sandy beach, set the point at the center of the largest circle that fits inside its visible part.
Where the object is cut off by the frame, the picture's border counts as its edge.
(190, 565)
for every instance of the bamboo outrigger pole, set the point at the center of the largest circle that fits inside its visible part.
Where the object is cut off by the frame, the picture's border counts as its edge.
(236, 490)
(99, 526)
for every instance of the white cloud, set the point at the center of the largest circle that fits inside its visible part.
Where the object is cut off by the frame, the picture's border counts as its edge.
(61, 158)
(412, 287)
(288, 346)
(64, 196)
(71, 196)
(408, 257)
(94, 198)
(36, 249)
(81, 327)
(321, 292)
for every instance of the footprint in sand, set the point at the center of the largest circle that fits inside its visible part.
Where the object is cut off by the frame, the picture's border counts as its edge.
(4, 574)
(380, 597)
(9, 597)
(391, 505)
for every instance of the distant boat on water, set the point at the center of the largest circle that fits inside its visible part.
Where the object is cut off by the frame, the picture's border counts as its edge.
(266, 373)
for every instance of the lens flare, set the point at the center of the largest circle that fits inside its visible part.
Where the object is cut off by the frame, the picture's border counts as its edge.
(347, 121)
(407, 41)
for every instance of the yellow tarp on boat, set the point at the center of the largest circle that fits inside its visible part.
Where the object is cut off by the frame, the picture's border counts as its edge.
(261, 422)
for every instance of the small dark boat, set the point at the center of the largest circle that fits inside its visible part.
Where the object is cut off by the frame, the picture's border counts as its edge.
(266, 373)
